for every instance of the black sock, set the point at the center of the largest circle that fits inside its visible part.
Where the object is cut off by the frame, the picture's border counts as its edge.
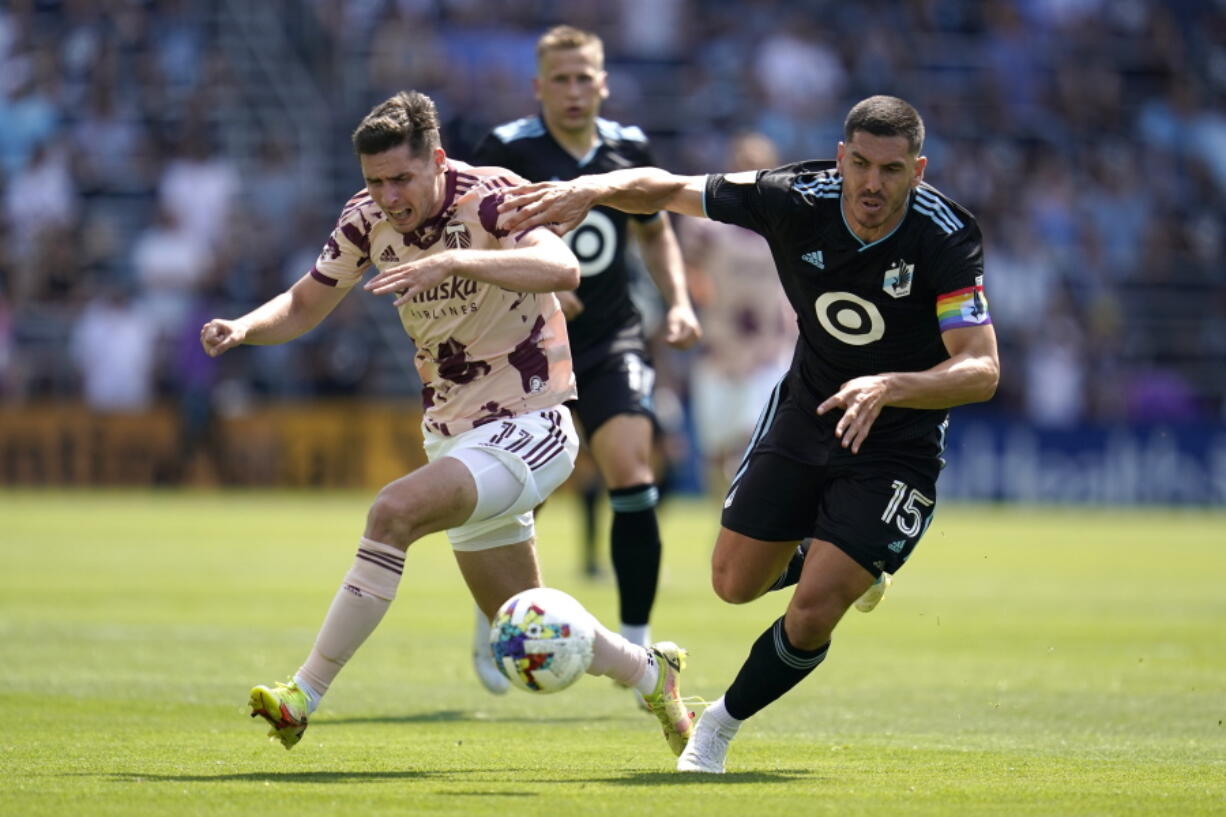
(589, 496)
(791, 573)
(773, 667)
(635, 549)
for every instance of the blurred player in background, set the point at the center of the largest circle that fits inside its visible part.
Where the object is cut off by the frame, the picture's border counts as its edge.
(886, 276)
(749, 329)
(568, 139)
(495, 366)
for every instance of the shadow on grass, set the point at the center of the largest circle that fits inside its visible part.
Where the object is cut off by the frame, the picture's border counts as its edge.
(270, 777)
(686, 778)
(662, 778)
(456, 716)
(472, 793)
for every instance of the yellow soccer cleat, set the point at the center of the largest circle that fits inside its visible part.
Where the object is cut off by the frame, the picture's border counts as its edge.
(285, 708)
(666, 702)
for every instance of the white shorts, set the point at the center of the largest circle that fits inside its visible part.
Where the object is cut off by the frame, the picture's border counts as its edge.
(538, 449)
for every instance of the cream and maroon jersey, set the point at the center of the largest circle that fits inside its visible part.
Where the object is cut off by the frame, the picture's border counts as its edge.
(483, 352)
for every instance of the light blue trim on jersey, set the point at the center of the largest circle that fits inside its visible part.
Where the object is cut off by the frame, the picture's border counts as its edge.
(525, 128)
(705, 181)
(827, 188)
(608, 129)
(864, 246)
(927, 203)
(942, 431)
(590, 155)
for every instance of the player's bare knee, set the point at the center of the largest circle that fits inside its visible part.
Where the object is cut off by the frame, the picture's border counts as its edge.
(730, 587)
(392, 519)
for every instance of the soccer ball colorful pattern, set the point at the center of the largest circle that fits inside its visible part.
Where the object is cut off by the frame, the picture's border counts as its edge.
(542, 639)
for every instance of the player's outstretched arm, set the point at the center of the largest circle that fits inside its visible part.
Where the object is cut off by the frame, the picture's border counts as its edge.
(283, 318)
(970, 375)
(563, 205)
(538, 261)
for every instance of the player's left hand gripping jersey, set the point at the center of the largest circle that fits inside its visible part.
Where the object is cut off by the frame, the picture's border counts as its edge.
(862, 308)
(483, 352)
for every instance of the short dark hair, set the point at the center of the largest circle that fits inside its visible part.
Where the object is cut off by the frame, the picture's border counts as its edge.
(409, 118)
(886, 116)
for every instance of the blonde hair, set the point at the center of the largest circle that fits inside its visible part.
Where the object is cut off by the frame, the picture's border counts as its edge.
(564, 38)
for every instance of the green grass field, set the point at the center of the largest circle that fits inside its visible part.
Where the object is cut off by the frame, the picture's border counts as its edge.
(1027, 662)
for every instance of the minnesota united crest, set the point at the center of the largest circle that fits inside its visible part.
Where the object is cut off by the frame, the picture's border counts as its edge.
(456, 236)
(898, 278)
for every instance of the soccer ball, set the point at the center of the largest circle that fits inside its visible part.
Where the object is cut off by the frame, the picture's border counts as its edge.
(542, 639)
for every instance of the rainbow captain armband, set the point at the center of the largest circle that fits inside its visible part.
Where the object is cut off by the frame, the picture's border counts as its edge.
(963, 307)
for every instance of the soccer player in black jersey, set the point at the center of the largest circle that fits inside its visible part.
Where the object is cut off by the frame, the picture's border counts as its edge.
(568, 139)
(886, 276)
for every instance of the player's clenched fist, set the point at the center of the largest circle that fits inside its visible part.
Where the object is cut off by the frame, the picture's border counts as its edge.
(218, 335)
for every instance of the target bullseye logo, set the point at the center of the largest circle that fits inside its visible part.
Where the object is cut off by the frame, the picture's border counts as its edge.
(594, 243)
(850, 318)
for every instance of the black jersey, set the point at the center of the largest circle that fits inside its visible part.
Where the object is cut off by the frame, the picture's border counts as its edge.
(526, 147)
(862, 308)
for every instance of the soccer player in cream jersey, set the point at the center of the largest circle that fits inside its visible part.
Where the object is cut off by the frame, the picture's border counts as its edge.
(495, 365)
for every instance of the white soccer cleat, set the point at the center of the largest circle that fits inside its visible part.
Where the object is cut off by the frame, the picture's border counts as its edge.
(483, 657)
(868, 601)
(707, 747)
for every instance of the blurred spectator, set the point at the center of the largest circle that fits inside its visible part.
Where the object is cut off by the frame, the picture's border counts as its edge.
(109, 142)
(114, 345)
(27, 110)
(802, 79)
(172, 264)
(1055, 374)
(41, 200)
(198, 187)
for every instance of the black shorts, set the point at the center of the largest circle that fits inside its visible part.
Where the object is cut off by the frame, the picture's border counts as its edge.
(797, 481)
(618, 384)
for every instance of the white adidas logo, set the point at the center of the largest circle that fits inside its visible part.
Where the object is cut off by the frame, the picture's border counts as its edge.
(815, 258)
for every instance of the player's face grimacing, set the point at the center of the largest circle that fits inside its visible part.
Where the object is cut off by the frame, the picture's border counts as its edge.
(570, 85)
(878, 175)
(407, 188)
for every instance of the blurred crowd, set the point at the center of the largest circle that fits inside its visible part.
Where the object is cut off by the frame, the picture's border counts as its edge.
(164, 161)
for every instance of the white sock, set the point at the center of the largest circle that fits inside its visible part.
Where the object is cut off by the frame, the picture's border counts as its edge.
(312, 696)
(359, 606)
(627, 663)
(719, 713)
(646, 683)
(636, 633)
